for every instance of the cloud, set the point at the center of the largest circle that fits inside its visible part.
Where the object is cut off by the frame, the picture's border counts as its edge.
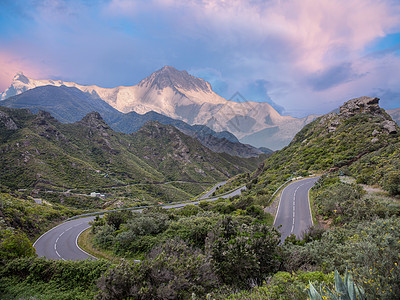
(11, 64)
(333, 76)
(305, 55)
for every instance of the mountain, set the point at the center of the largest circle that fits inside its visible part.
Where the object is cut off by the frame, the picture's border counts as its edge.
(395, 114)
(69, 104)
(360, 140)
(39, 151)
(181, 96)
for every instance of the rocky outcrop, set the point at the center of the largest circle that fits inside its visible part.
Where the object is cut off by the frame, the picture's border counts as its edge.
(360, 105)
(7, 121)
(94, 121)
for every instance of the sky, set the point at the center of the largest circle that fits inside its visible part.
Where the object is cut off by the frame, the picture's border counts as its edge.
(303, 56)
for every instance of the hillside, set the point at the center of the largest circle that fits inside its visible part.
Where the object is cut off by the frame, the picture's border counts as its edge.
(181, 96)
(361, 140)
(37, 151)
(69, 104)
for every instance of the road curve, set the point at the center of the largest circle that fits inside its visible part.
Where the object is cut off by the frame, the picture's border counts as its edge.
(61, 242)
(294, 214)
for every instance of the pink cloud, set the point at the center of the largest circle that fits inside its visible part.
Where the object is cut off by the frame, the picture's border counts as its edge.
(11, 64)
(319, 31)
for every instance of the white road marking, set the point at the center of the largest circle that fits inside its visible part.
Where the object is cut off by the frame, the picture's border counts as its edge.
(294, 205)
(76, 242)
(55, 244)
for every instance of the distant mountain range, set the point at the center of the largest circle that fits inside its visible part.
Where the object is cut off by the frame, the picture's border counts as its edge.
(181, 96)
(69, 104)
(395, 114)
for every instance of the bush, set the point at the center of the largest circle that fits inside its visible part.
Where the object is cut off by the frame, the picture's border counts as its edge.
(392, 183)
(243, 255)
(173, 270)
(15, 244)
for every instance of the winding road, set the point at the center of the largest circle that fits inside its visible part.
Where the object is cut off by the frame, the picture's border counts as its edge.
(61, 242)
(293, 216)
(294, 213)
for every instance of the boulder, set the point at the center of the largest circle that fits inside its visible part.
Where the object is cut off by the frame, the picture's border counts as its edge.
(390, 126)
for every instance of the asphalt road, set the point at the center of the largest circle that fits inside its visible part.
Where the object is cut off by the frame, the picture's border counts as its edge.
(294, 213)
(61, 242)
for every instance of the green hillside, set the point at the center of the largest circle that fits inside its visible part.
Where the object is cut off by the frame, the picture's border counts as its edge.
(361, 140)
(40, 153)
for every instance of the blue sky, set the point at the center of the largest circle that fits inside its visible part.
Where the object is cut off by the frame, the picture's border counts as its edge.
(303, 56)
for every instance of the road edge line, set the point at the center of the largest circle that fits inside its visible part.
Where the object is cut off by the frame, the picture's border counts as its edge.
(279, 204)
(76, 243)
(309, 204)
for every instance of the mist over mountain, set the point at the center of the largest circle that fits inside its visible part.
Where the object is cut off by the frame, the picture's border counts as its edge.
(179, 95)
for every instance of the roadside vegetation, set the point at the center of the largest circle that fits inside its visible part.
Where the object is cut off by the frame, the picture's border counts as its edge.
(228, 249)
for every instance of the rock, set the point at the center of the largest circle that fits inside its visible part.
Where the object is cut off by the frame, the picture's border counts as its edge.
(360, 105)
(374, 140)
(389, 126)
(94, 120)
(7, 121)
(375, 132)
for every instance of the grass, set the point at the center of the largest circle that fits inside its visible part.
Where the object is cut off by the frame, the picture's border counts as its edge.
(312, 207)
(85, 242)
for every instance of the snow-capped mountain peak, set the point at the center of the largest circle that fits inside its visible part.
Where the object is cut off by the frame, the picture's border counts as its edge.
(170, 77)
(179, 95)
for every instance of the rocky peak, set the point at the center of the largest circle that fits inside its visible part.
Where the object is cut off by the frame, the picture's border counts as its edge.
(21, 77)
(360, 105)
(44, 115)
(171, 77)
(94, 120)
(156, 129)
(42, 118)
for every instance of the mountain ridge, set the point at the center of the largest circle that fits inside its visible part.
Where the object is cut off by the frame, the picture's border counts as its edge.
(42, 152)
(69, 104)
(181, 96)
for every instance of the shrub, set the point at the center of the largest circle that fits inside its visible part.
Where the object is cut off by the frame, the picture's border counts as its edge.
(15, 244)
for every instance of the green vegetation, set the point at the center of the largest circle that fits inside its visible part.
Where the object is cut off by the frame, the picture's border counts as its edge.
(226, 249)
(37, 278)
(345, 289)
(44, 155)
(285, 286)
(132, 234)
(21, 213)
(364, 238)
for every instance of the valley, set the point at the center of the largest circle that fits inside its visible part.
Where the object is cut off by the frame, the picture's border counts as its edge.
(217, 245)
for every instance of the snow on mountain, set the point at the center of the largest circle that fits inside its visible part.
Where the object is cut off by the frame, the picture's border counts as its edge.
(182, 96)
